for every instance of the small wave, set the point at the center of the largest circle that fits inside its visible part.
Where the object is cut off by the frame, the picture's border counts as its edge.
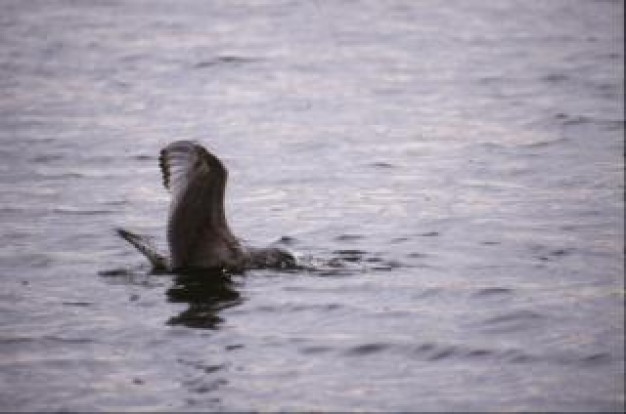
(46, 158)
(439, 352)
(36, 259)
(315, 349)
(143, 157)
(334, 272)
(18, 340)
(69, 340)
(479, 353)
(442, 353)
(555, 254)
(80, 212)
(417, 255)
(350, 255)
(490, 243)
(61, 176)
(296, 307)
(347, 262)
(387, 266)
(576, 120)
(493, 291)
(202, 366)
(381, 164)
(367, 349)
(349, 237)
(514, 316)
(585, 360)
(430, 234)
(223, 60)
(600, 358)
(138, 276)
(11, 209)
(80, 304)
(44, 338)
(520, 320)
(115, 203)
(286, 241)
(561, 252)
(116, 272)
(426, 351)
(203, 385)
(544, 250)
(555, 78)
(397, 240)
(544, 143)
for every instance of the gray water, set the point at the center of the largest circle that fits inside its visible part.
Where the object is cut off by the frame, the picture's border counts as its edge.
(450, 172)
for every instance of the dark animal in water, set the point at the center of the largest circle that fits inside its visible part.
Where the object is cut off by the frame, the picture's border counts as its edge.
(198, 234)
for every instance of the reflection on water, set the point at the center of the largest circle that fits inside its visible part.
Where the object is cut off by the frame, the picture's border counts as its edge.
(207, 292)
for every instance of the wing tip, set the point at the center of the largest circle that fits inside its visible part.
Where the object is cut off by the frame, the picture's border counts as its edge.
(165, 168)
(171, 157)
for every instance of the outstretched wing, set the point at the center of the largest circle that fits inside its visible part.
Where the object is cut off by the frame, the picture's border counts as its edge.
(141, 243)
(197, 180)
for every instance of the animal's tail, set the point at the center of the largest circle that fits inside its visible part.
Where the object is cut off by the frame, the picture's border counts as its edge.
(141, 243)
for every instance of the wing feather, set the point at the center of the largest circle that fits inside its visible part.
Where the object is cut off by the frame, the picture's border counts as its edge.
(197, 224)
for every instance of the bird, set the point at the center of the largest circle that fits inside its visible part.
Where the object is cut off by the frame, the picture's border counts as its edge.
(198, 234)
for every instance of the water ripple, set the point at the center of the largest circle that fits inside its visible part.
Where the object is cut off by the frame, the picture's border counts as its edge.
(440, 352)
(519, 320)
(224, 60)
(494, 291)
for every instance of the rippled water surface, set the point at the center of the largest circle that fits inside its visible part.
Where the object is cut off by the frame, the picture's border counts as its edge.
(451, 173)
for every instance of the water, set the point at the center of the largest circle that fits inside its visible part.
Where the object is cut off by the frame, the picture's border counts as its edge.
(453, 171)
